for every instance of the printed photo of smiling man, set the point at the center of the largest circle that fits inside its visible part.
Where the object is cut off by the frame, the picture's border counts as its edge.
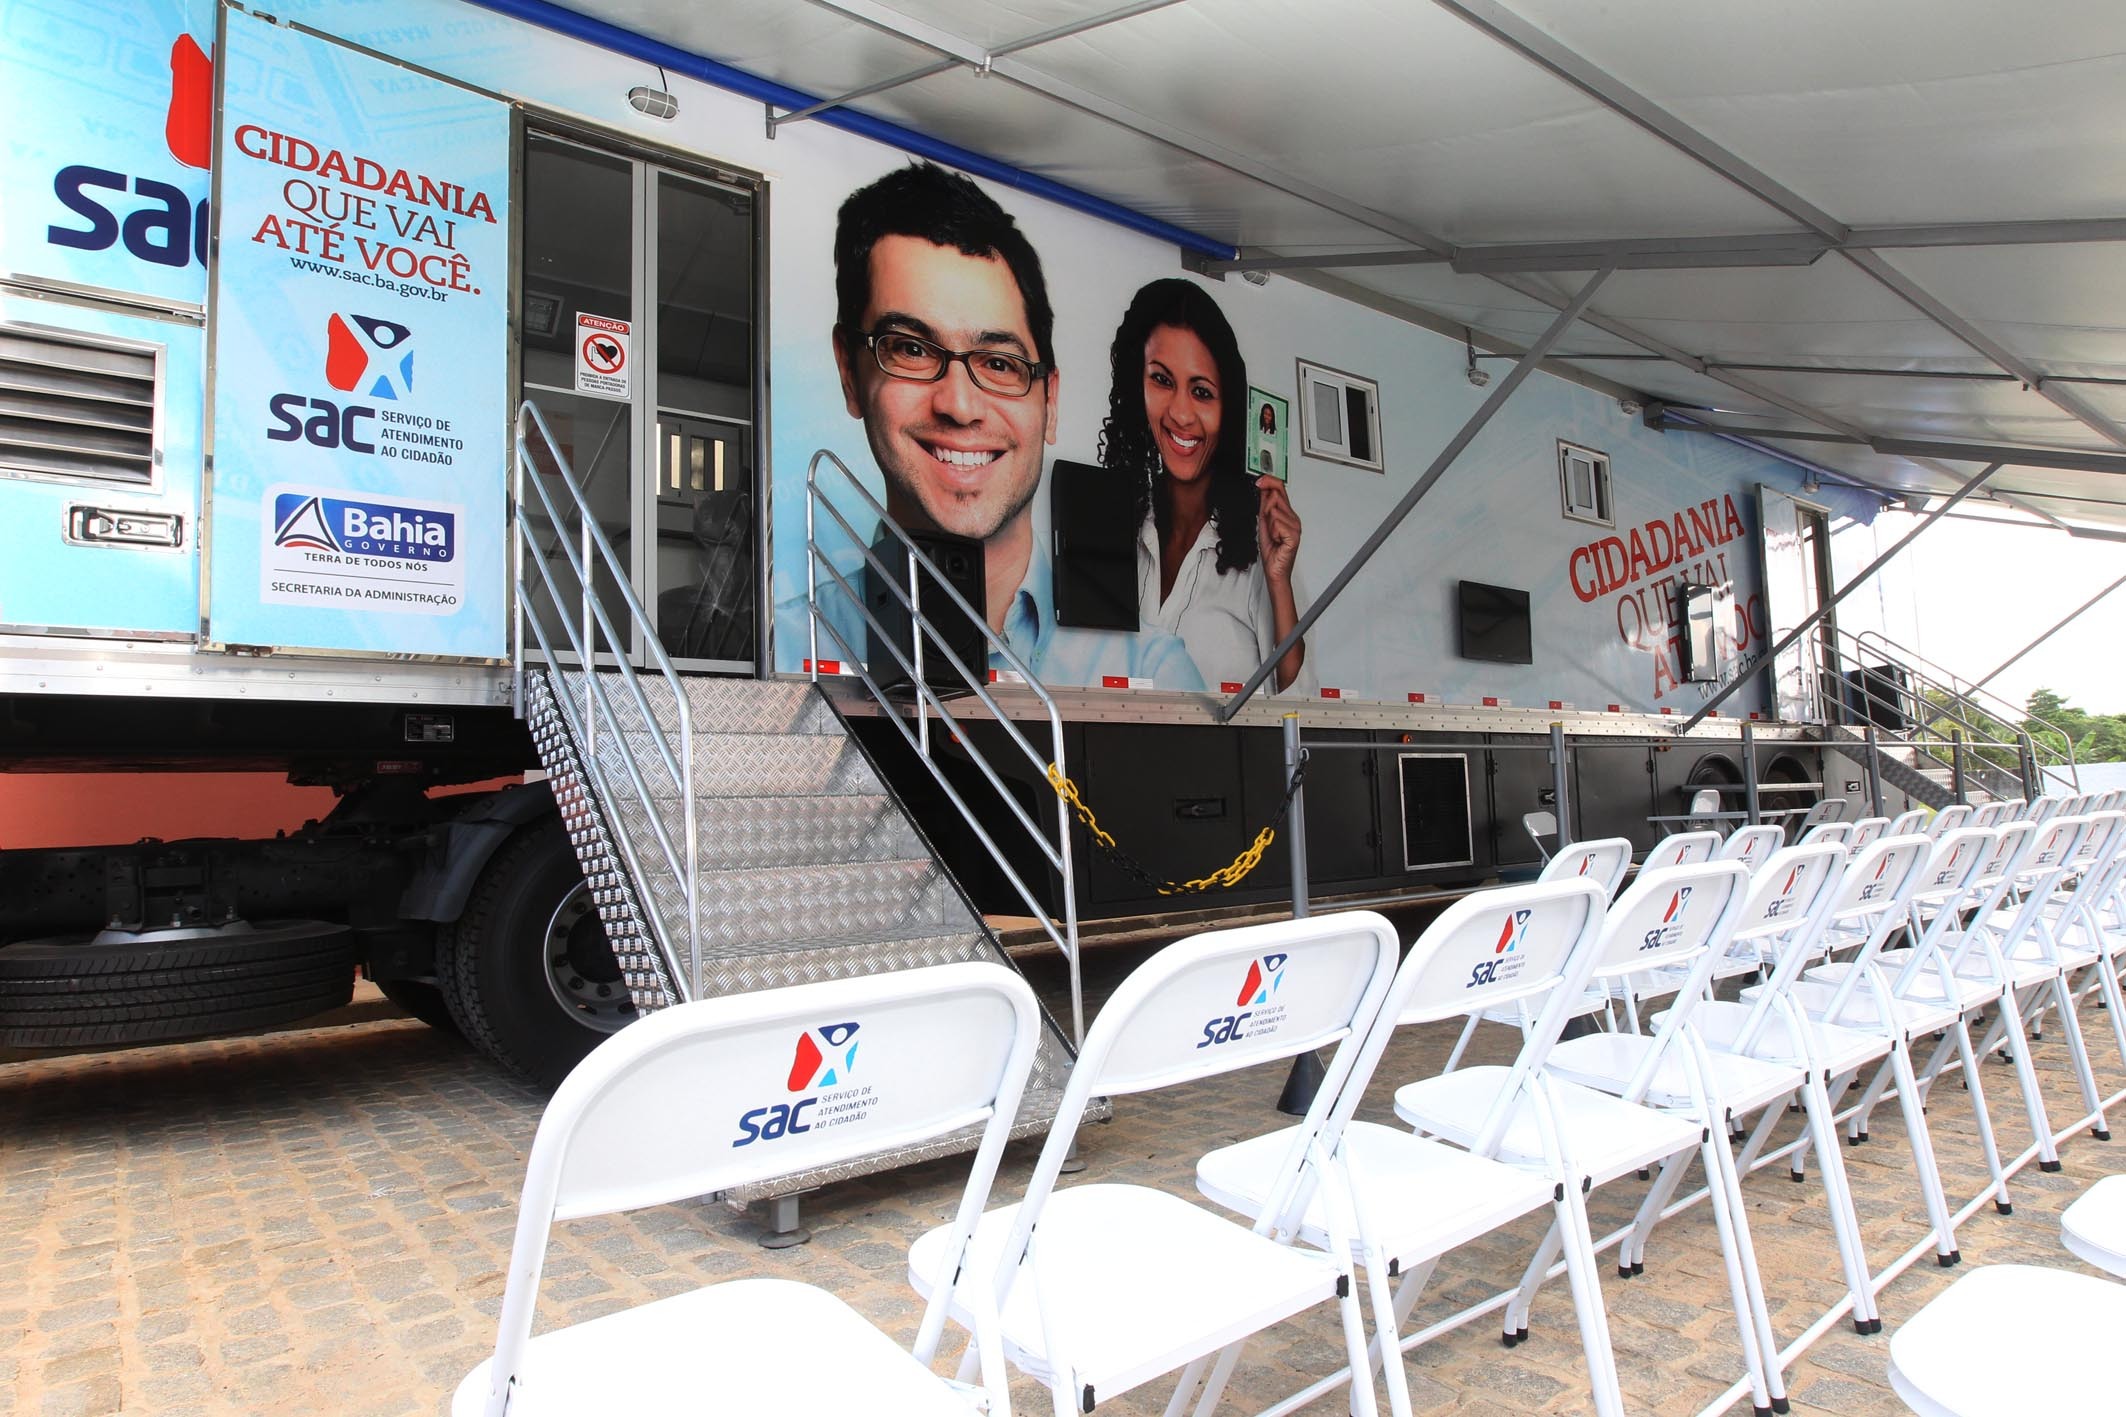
(943, 340)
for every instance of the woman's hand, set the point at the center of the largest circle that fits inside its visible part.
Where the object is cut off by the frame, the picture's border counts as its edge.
(1276, 531)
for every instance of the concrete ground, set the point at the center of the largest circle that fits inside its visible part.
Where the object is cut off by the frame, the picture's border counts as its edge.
(319, 1221)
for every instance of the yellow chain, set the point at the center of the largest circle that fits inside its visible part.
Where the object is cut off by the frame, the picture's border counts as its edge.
(1227, 876)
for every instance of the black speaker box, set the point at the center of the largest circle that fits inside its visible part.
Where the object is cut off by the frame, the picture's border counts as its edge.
(959, 560)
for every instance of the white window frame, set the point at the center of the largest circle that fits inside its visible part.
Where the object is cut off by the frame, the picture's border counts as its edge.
(1313, 442)
(1604, 511)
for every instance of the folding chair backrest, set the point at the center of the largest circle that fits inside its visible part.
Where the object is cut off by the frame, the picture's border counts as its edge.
(1866, 830)
(1539, 825)
(1603, 861)
(1908, 822)
(1682, 849)
(2045, 808)
(1490, 949)
(1752, 845)
(1217, 1002)
(1953, 879)
(1948, 818)
(1787, 911)
(1837, 833)
(747, 1088)
(1874, 899)
(1988, 815)
(1826, 809)
(1682, 919)
(2012, 810)
(2098, 844)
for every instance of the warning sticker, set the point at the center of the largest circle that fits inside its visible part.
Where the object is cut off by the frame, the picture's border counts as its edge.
(603, 350)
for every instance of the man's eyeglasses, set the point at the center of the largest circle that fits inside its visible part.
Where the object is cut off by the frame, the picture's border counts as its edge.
(901, 355)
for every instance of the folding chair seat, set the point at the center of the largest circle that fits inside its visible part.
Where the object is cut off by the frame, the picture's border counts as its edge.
(1414, 1198)
(2009, 1340)
(2093, 1228)
(710, 1095)
(1103, 1287)
(1604, 862)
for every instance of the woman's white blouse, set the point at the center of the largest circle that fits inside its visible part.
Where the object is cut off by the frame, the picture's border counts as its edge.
(1225, 621)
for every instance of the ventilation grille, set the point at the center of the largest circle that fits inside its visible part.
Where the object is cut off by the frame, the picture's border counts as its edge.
(77, 410)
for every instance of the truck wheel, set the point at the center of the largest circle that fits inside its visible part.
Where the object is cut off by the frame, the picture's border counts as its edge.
(526, 971)
(421, 999)
(73, 991)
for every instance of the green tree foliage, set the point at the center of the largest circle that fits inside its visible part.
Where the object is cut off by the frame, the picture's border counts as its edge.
(2054, 723)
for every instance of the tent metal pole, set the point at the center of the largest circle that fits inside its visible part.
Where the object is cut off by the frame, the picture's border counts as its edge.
(2072, 616)
(1523, 367)
(1823, 611)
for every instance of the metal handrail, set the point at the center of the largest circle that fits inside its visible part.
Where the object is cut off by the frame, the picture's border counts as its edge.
(1955, 703)
(1058, 854)
(1994, 705)
(1948, 751)
(583, 631)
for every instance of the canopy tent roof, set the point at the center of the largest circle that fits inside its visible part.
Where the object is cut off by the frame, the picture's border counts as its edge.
(1893, 229)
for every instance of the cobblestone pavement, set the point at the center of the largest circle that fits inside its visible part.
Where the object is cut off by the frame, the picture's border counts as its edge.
(319, 1221)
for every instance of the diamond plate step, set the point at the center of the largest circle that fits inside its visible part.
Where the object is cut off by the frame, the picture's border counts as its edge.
(789, 831)
(761, 765)
(720, 706)
(741, 910)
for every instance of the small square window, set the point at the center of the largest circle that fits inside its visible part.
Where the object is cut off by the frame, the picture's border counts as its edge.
(1583, 483)
(1339, 417)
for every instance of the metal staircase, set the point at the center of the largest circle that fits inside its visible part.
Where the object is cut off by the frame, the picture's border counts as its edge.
(734, 835)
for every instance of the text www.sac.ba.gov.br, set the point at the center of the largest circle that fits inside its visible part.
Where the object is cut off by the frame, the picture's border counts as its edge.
(403, 287)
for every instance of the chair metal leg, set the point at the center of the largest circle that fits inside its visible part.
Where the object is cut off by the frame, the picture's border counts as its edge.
(1838, 1202)
(1515, 1319)
(2008, 1027)
(1973, 1084)
(1385, 1330)
(1734, 1238)
(2078, 1049)
(1582, 1274)
(1923, 1159)
(1461, 1044)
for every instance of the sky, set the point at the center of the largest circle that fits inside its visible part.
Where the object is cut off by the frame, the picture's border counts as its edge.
(1985, 591)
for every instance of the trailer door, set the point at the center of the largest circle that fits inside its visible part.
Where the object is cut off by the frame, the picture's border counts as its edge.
(637, 326)
(1797, 580)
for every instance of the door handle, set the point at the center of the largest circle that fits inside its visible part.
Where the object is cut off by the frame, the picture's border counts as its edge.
(124, 527)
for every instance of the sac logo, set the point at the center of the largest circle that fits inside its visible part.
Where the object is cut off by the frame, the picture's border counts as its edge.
(1948, 873)
(824, 1058)
(165, 229)
(1874, 887)
(330, 524)
(1784, 901)
(1671, 927)
(1511, 934)
(355, 348)
(1265, 977)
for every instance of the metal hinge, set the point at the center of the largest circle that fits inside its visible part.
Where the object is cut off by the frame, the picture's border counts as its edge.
(124, 527)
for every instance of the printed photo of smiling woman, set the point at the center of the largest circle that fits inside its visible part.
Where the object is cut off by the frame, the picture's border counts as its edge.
(1216, 543)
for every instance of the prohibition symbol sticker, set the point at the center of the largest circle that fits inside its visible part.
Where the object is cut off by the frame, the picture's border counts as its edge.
(602, 351)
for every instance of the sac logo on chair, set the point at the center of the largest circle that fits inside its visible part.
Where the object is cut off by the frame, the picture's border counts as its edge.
(1257, 1015)
(1671, 927)
(1874, 887)
(820, 1066)
(1784, 901)
(1504, 963)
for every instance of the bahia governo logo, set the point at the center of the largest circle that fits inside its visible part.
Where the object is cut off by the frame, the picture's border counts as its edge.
(821, 1067)
(1257, 1011)
(343, 526)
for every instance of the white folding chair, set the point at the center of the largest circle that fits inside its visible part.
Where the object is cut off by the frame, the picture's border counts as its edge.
(1705, 812)
(731, 1092)
(1824, 809)
(1788, 904)
(2093, 1228)
(1827, 833)
(1681, 920)
(1917, 988)
(1603, 861)
(1681, 849)
(2011, 1339)
(1752, 845)
(2069, 931)
(2012, 810)
(2045, 808)
(1948, 819)
(1990, 814)
(1102, 1287)
(1866, 830)
(1539, 825)
(1874, 899)
(1909, 823)
(1415, 1198)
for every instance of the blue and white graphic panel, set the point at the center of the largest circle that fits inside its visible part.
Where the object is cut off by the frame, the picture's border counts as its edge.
(361, 344)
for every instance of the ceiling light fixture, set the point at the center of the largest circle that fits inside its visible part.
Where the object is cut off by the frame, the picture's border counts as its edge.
(656, 102)
(1476, 376)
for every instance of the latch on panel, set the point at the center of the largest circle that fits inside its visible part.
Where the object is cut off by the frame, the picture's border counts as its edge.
(123, 526)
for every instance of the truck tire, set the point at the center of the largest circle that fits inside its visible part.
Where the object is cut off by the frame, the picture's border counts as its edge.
(69, 991)
(526, 971)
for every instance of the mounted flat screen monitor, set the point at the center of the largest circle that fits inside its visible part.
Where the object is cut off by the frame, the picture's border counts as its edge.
(1495, 624)
(1092, 513)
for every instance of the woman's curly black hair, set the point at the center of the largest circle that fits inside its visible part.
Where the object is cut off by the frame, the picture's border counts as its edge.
(1126, 442)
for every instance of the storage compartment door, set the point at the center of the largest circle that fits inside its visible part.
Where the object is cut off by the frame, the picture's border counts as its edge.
(99, 472)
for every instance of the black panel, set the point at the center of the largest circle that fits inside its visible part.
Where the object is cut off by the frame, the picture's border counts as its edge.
(1172, 797)
(1090, 509)
(1612, 791)
(1436, 813)
(1521, 782)
(1343, 842)
(960, 561)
